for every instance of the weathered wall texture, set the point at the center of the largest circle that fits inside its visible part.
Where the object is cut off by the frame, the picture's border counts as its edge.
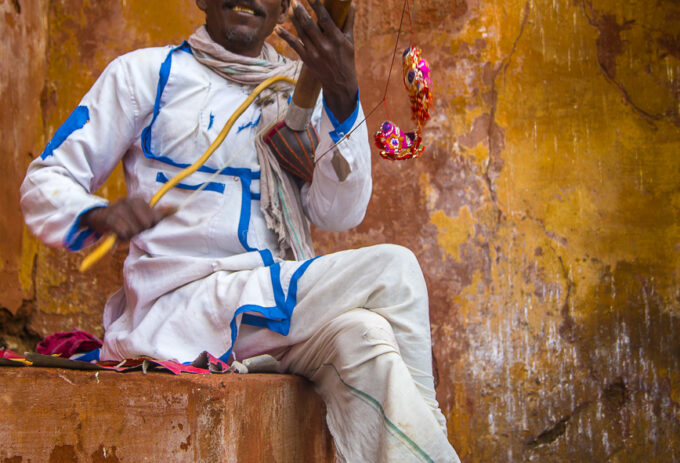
(544, 213)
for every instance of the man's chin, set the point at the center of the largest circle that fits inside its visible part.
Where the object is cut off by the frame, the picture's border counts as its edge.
(240, 39)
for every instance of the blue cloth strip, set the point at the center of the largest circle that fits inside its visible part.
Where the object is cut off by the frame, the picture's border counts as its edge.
(76, 121)
(341, 129)
(233, 171)
(211, 186)
(89, 356)
(244, 218)
(276, 318)
(77, 236)
(163, 76)
(250, 124)
(267, 258)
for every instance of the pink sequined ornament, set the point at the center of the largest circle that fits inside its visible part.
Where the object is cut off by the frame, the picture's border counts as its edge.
(396, 145)
(418, 84)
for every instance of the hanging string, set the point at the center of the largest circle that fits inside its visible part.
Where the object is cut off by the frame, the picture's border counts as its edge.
(383, 101)
(394, 53)
(410, 20)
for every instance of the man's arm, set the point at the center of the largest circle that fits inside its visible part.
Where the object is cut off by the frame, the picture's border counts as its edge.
(338, 196)
(57, 194)
(328, 52)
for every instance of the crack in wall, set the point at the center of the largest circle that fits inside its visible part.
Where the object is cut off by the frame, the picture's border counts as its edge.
(550, 235)
(558, 429)
(495, 133)
(567, 328)
(613, 395)
(609, 46)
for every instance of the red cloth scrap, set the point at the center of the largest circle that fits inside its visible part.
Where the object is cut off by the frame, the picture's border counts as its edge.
(67, 344)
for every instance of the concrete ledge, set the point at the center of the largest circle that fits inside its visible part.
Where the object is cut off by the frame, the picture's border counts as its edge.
(54, 415)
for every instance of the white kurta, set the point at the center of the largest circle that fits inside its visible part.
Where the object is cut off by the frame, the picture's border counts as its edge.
(156, 130)
(356, 322)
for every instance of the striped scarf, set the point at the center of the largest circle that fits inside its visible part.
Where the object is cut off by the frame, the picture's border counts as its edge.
(280, 197)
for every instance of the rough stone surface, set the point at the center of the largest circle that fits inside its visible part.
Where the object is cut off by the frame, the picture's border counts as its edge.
(54, 415)
(545, 212)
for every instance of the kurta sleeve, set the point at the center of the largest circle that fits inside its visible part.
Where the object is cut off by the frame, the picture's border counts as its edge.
(338, 195)
(59, 184)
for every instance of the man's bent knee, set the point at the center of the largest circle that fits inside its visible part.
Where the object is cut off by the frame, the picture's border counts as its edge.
(361, 333)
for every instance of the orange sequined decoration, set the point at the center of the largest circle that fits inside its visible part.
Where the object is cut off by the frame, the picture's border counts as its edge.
(394, 143)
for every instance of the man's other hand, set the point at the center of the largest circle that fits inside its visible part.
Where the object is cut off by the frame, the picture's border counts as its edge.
(328, 52)
(126, 218)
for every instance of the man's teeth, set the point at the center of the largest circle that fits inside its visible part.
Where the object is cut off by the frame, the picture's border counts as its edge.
(241, 9)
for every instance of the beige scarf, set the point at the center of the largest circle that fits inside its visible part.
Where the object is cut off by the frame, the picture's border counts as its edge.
(280, 197)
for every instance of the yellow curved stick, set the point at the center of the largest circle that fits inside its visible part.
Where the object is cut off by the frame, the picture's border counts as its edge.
(101, 250)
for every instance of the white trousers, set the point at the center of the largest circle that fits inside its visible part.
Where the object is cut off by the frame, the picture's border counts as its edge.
(361, 333)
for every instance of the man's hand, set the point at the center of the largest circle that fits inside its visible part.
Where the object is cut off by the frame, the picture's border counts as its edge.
(126, 218)
(328, 52)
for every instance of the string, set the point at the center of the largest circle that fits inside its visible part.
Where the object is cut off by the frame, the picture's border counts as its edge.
(383, 101)
(410, 20)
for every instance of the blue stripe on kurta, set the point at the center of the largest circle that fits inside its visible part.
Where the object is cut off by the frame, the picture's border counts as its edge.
(341, 128)
(76, 121)
(278, 317)
(267, 257)
(275, 318)
(250, 124)
(211, 186)
(77, 235)
(163, 76)
(244, 219)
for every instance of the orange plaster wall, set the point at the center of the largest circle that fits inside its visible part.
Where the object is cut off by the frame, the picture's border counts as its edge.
(544, 213)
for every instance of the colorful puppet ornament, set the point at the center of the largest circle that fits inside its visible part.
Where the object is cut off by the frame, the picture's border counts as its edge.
(394, 143)
(418, 84)
(397, 145)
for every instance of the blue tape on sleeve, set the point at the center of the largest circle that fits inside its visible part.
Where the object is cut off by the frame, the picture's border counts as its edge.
(78, 236)
(76, 121)
(341, 128)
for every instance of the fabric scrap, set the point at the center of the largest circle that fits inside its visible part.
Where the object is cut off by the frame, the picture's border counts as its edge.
(68, 344)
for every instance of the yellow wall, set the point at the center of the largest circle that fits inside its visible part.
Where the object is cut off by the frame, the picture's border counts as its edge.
(544, 213)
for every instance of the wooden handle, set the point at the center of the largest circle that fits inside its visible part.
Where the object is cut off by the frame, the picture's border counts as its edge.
(308, 87)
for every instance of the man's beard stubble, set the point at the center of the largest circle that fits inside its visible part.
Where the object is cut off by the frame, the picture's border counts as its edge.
(241, 38)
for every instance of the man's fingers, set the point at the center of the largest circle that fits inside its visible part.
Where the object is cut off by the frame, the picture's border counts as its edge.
(142, 213)
(291, 40)
(121, 225)
(326, 23)
(131, 216)
(306, 27)
(348, 28)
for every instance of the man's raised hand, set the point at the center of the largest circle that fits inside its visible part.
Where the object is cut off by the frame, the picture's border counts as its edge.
(328, 52)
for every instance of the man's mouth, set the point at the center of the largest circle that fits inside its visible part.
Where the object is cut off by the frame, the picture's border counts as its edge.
(243, 9)
(248, 7)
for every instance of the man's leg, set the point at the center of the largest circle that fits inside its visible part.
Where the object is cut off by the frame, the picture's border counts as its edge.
(383, 279)
(387, 280)
(375, 411)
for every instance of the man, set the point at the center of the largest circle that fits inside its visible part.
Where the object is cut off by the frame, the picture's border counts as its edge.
(212, 275)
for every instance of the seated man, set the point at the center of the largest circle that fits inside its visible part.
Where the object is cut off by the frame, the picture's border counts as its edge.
(233, 272)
